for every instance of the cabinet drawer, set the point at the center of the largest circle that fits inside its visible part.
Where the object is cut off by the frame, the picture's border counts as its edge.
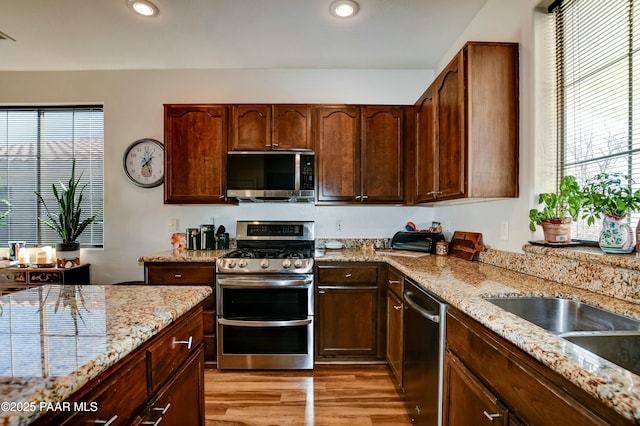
(117, 399)
(395, 281)
(358, 274)
(171, 274)
(174, 347)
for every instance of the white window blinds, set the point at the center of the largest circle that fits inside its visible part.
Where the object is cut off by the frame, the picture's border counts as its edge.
(37, 148)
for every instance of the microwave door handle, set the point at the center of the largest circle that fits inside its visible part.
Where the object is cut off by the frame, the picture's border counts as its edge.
(297, 172)
(243, 323)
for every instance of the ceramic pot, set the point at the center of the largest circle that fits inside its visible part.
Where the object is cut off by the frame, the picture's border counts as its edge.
(67, 254)
(616, 235)
(557, 231)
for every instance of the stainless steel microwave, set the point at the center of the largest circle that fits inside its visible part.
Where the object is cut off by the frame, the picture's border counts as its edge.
(271, 175)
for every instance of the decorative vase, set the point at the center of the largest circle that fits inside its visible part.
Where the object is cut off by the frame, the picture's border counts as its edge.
(616, 235)
(557, 231)
(67, 254)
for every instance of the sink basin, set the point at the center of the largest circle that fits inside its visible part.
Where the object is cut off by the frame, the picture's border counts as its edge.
(622, 349)
(561, 316)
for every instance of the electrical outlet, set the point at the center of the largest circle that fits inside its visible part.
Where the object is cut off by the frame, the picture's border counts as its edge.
(173, 225)
(504, 230)
(339, 225)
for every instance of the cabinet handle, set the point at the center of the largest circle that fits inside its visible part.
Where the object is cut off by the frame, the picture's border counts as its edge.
(274, 144)
(321, 292)
(163, 410)
(492, 417)
(364, 197)
(150, 423)
(222, 197)
(347, 275)
(397, 307)
(358, 197)
(106, 422)
(177, 276)
(183, 342)
(394, 282)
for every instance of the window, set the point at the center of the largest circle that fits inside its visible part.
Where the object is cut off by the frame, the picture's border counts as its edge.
(598, 91)
(37, 148)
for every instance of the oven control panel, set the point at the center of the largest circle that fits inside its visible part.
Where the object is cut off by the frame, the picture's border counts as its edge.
(297, 266)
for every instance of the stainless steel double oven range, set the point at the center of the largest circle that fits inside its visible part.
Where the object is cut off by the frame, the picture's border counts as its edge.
(264, 297)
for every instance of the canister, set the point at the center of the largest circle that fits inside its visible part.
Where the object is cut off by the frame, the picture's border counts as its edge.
(223, 241)
(207, 237)
(193, 238)
(442, 248)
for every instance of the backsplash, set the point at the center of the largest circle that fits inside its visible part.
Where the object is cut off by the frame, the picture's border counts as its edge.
(588, 269)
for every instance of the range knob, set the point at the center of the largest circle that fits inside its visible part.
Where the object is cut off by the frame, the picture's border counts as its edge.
(264, 263)
(286, 264)
(231, 264)
(242, 263)
(297, 263)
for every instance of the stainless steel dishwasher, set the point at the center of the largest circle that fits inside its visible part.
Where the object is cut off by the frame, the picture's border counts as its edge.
(424, 335)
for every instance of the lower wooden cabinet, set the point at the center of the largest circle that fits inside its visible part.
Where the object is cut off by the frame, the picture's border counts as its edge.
(487, 373)
(164, 378)
(347, 314)
(190, 273)
(395, 308)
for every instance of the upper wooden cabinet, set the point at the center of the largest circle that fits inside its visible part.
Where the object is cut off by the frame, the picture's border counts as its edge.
(266, 127)
(195, 139)
(467, 127)
(359, 154)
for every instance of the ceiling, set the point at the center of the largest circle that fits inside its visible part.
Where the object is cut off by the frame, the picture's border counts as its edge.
(209, 34)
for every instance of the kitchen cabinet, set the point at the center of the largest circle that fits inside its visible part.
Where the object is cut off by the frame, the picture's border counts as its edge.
(395, 309)
(162, 378)
(270, 127)
(484, 368)
(195, 140)
(347, 315)
(190, 273)
(467, 127)
(16, 278)
(359, 154)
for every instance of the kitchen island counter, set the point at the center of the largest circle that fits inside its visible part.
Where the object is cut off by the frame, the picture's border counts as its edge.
(55, 339)
(464, 285)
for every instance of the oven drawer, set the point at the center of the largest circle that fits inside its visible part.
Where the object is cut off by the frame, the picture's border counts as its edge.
(341, 275)
(166, 355)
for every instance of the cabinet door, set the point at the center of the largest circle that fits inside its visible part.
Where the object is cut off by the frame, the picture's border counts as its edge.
(195, 139)
(467, 402)
(346, 321)
(291, 127)
(250, 128)
(450, 131)
(394, 335)
(382, 165)
(180, 402)
(337, 147)
(426, 159)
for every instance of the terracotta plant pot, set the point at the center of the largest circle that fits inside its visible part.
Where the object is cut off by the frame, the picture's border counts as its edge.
(67, 254)
(557, 231)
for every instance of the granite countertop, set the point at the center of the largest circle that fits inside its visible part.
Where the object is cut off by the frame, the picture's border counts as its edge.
(54, 339)
(184, 256)
(464, 284)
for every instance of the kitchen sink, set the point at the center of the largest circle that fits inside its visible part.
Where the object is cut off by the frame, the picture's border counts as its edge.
(622, 349)
(561, 316)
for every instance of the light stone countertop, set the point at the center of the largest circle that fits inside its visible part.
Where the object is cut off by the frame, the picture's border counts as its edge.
(54, 339)
(464, 285)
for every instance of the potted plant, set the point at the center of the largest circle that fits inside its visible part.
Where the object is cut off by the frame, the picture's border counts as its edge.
(67, 220)
(610, 196)
(559, 210)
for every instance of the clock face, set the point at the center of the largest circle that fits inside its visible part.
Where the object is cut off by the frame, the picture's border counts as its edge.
(144, 163)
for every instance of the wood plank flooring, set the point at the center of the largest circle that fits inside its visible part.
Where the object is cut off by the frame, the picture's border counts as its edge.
(354, 395)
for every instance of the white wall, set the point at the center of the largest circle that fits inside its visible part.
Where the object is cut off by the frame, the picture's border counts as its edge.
(136, 218)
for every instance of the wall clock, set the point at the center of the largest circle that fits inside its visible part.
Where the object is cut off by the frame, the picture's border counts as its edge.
(144, 163)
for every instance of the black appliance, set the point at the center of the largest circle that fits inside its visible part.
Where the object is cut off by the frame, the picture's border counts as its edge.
(271, 175)
(265, 297)
(416, 241)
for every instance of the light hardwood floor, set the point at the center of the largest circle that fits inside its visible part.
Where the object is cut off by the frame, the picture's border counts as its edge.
(328, 395)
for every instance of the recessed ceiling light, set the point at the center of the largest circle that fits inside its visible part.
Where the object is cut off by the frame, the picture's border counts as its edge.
(344, 8)
(143, 7)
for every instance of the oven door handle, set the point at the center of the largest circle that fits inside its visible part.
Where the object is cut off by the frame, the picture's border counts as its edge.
(265, 282)
(243, 323)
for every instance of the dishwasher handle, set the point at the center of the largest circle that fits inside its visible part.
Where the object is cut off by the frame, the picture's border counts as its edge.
(434, 317)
